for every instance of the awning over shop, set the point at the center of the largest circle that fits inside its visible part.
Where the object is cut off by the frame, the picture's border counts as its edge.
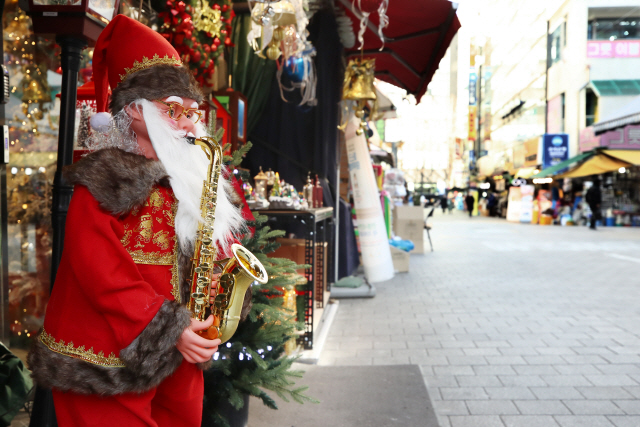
(630, 156)
(553, 170)
(616, 87)
(386, 109)
(418, 36)
(627, 115)
(594, 162)
(598, 164)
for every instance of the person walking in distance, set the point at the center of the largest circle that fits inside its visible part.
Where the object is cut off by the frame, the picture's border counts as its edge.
(594, 200)
(470, 202)
(443, 204)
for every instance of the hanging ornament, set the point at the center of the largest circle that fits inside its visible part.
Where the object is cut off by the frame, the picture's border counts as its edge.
(366, 8)
(273, 51)
(207, 19)
(197, 28)
(277, 13)
(358, 86)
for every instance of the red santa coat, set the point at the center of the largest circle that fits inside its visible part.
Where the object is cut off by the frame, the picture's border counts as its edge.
(113, 320)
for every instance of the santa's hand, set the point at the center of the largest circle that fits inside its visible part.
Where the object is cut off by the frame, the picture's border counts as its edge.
(193, 347)
(215, 279)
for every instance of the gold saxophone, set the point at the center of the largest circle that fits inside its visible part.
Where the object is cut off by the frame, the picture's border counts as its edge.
(238, 272)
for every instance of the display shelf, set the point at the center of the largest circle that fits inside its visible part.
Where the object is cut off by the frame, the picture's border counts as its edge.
(315, 226)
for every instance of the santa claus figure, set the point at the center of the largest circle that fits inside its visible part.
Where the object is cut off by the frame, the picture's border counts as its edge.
(118, 346)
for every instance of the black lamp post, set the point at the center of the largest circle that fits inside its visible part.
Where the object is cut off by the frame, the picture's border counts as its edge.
(76, 24)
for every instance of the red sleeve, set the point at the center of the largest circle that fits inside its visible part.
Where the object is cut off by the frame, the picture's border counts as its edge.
(104, 271)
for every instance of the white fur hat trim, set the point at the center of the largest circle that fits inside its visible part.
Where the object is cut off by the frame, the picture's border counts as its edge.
(100, 121)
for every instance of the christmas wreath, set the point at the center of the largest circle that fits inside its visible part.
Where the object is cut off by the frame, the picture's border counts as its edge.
(199, 30)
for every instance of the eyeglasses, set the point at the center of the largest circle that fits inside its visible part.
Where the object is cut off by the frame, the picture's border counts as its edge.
(176, 111)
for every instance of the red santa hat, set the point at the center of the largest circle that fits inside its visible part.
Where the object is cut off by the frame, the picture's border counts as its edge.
(136, 62)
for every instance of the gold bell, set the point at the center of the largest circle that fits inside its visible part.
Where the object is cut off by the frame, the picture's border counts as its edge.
(358, 80)
(273, 51)
(35, 91)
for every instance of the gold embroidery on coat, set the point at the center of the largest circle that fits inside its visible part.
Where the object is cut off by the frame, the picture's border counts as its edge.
(80, 353)
(161, 238)
(175, 275)
(152, 258)
(155, 200)
(126, 239)
(145, 230)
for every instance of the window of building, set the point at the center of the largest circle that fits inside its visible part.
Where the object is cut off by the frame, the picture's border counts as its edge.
(556, 44)
(32, 116)
(591, 107)
(614, 29)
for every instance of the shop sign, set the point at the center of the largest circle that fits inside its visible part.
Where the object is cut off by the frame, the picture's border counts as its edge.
(555, 149)
(613, 49)
(588, 139)
(531, 150)
(518, 156)
(473, 112)
(555, 113)
(520, 206)
(459, 148)
(626, 138)
(473, 88)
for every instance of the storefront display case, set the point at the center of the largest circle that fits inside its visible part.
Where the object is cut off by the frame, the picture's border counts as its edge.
(315, 228)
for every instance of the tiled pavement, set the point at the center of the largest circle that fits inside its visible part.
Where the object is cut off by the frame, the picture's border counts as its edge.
(512, 325)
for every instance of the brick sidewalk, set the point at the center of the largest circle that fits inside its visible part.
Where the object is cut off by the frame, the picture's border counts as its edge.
(512, 325)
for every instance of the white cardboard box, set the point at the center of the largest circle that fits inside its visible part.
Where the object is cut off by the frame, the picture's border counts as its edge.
(408, 224)
(400, 260)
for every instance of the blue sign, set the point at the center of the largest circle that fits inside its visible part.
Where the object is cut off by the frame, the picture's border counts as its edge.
(555, 149)
(473, 88)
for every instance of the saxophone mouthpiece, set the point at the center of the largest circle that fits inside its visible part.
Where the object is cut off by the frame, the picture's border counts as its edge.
(191, 140)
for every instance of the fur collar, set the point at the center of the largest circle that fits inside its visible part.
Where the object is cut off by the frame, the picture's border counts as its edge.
(120, 181)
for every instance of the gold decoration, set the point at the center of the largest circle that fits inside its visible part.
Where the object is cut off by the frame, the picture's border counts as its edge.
(146, 63)
(161, 238)
(358, 86)
(207, 19)
(358, 80)
(145, 228)
(152, 258)
(273, 51)
(155, 200)
(175, 277)
(80, 353)
(276, 13)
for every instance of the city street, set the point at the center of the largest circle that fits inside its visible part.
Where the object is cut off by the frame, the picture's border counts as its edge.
(512, 325)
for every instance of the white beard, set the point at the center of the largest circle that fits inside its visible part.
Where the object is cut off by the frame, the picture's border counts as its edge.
(187, 166)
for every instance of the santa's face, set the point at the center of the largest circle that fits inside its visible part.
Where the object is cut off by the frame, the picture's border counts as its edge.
(177, 112)
(185, 163)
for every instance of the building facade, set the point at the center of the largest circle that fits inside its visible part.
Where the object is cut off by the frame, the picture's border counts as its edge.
(594, 58)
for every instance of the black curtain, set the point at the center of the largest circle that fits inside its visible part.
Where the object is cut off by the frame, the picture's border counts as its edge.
(295, 140)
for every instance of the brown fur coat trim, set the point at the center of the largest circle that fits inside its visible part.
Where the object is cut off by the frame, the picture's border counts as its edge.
(156, 82)
(149, 359)
(120, 181)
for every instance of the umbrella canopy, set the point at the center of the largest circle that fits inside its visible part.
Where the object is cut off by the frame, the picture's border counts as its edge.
(418, 36)
(602, 161)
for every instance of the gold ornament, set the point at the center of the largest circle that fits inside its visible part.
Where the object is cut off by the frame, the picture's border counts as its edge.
(273, 52)
(278, 34)
(278, 13)
(207, 19)
(358, 86)
(358, 80)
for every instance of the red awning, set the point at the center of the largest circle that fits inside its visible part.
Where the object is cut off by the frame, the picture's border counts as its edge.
(418, 36)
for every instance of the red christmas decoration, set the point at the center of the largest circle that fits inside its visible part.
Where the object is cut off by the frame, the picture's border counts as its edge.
(198, 49)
